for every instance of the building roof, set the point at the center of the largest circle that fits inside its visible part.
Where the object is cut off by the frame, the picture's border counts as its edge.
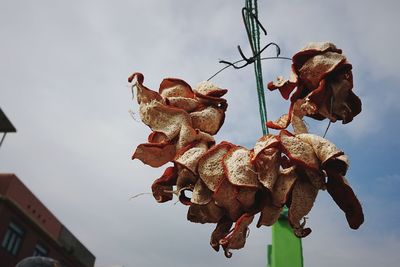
(13, 190)
(5, 124)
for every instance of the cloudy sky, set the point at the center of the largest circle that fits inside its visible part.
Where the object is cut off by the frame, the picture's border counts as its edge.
(64, 68)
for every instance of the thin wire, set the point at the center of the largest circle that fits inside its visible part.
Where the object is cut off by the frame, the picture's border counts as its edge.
(232, 64)
(329, 124)
(2, 139)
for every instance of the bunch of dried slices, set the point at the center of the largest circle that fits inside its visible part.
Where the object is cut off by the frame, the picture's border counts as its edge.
(230, 184)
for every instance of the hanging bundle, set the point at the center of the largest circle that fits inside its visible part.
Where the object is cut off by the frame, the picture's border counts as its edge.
(230, 184)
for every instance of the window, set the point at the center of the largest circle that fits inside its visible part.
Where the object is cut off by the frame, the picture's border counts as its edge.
(40, 251)
(13, 238)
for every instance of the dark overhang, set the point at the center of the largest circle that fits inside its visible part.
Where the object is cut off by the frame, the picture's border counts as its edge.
(5, 124)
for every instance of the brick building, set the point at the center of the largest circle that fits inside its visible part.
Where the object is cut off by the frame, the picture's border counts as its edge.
(28, 228)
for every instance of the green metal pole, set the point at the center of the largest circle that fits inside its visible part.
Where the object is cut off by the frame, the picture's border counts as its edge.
(286, 248)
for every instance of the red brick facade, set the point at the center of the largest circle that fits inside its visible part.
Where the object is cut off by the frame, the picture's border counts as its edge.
(19, 206)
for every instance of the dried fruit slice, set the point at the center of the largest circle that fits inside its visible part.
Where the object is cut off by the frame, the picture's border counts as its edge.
(285, 86)
(186, 179)
(222, 229)
(185, 103)
(265, 142)
(311, 49)
(318, 67)
(162, 187)
(269, 214)
(237, 238)
(283, 186)
(155, 154)
(238, 168)
(344, 197)
(207, 88)
(247, 198)
(323, 148)
(317, 179)
(303, 197)
(226, 197)
(208, 213)
(156, 137)
(201, 194)
(172, 87)
(298, 151)
(267, 167)
(281, 123)
(144, 94)
(164, 119)
(210, 166)
(209, 119)
(189, 156)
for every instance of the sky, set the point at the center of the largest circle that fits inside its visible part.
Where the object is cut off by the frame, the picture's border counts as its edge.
(64, 68)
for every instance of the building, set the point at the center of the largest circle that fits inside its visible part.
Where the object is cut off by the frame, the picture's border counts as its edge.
(28, 228)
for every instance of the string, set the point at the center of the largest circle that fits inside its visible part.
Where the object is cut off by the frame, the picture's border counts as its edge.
(251, 21)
